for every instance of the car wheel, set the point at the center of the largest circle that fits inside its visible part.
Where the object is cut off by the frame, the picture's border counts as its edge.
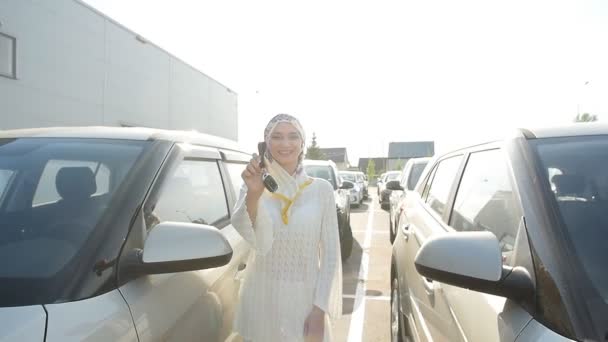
(396, 327)
(346, 244)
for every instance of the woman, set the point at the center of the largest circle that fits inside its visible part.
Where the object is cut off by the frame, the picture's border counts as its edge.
(293, 280)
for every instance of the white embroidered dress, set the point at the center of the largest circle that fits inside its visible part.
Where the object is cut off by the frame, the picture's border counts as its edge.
(293, 266)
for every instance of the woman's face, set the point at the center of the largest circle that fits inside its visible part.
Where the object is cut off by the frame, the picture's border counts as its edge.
(285, 145)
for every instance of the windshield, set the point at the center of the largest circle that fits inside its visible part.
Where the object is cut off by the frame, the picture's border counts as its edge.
(52, 194)
(323, 172)
(348, 176)
(577, 172)
(392, 176)
(415, 174)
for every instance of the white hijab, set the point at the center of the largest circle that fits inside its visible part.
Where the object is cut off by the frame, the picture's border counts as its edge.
(289, 185)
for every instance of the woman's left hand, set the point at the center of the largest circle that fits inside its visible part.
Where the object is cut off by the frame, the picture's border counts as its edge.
(314, 326)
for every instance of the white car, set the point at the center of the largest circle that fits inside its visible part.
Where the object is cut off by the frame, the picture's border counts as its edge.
(506, 241)
(356, 193)
(384, 193)
(118, 234)
(365, 184)
(400, 189)
(327, 170)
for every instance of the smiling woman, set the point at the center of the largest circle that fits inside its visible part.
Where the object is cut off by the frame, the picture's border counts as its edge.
(290, 290)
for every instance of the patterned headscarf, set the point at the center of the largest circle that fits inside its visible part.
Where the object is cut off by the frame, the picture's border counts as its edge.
(290, 186)
(272, 124)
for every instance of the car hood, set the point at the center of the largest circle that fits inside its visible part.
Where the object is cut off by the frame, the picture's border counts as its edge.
(24, 323)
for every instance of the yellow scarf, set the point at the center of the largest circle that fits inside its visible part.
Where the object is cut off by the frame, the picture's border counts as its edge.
(288, 202)
(290, 187)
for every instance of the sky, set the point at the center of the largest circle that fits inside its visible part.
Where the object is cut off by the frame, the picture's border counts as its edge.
(361, 74)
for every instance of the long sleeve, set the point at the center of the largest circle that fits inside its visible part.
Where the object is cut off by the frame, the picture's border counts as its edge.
(328, 293)
(259, 235)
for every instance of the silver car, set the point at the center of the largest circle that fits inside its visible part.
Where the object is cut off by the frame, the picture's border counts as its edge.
(400, 189)
(357, 192)
(118, 234)
(507, 242)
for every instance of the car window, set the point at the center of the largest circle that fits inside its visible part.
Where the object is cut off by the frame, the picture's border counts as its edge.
(194, 193)
(323, 172)
(415, 175)
(348, 176)
(5, 177)
(234, 171)
(392, 176)
(46, 192)
(441, 184)
(59, 191)
(485, 199)
(403, 176)
(576, 169)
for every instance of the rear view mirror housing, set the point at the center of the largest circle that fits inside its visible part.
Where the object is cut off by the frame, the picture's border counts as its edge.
(178, 247)
(473, 260)
(347, 185)
(394, 185)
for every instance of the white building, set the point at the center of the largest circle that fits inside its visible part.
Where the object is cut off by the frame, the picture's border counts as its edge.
(62, 63)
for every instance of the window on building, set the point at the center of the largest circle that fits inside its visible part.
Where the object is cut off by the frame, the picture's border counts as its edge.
(7, 56)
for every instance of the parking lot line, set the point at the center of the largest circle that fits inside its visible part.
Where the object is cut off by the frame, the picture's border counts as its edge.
(381, 298)
(355, 331)
(364, 231)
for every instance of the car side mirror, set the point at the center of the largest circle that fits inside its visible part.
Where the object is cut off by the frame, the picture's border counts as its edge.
(394, 185)
(473, 260)
(179, 247)
(347, 185)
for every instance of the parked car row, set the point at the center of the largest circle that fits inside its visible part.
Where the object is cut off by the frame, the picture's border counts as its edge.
(506, 241)
(115, 234)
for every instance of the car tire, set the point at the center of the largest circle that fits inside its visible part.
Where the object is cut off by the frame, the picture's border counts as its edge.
(396, 319)
(346, 244)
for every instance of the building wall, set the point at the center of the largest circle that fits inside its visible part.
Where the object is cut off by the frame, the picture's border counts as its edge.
(75, 66)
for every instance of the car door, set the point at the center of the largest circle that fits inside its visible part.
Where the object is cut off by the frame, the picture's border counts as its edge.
(195, 305)
(485, 200)
(234, 164)
(397, 197)
(425, 216)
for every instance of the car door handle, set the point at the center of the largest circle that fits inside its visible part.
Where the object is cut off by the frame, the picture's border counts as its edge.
(429, 286)
(405, 229)
(238, 275)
